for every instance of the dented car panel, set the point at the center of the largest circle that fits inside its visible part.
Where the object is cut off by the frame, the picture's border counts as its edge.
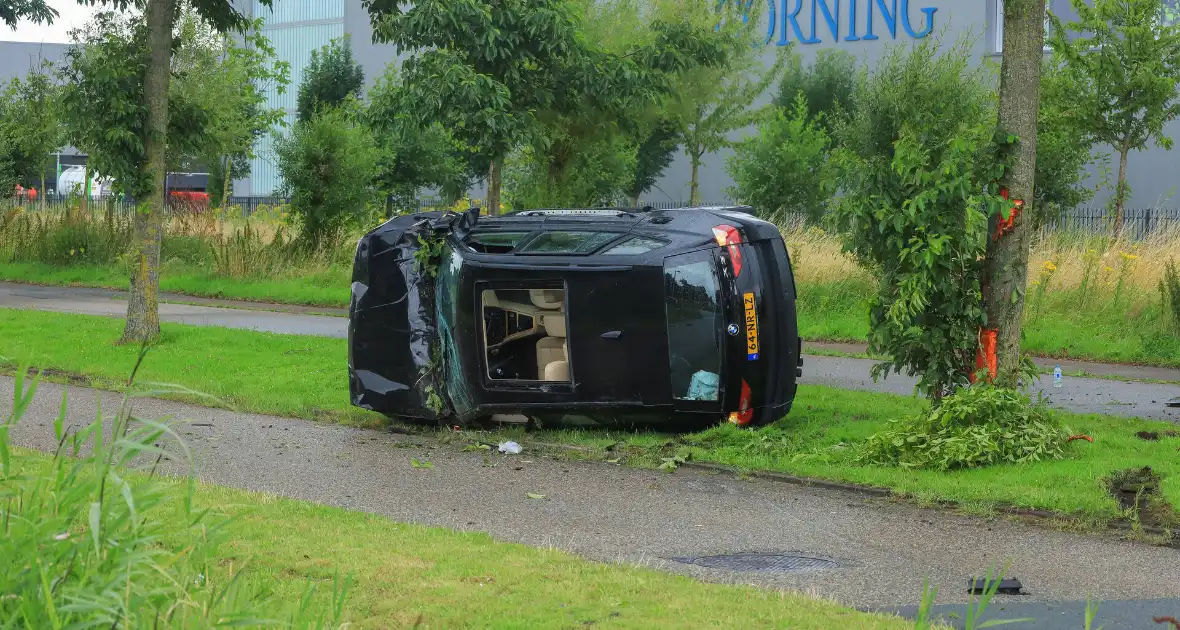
(684, 315)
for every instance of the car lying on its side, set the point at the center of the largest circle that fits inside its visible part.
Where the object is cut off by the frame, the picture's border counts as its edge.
(683, 315)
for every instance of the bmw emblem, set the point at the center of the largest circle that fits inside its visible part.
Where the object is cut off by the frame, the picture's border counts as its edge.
(733, 330)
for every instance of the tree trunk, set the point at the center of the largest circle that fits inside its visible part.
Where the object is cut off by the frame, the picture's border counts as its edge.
(1120, 201)
(143, 314)
(694, 183)
(225, 185)
(86, 185)
(1006, 265)
(634, 199)
(494, 186)
(42, 188)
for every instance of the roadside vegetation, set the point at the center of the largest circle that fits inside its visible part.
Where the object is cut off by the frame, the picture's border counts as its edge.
(113, 544)
(1116, 291)
(825, 436)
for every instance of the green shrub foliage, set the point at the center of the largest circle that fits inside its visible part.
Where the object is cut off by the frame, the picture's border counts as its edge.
(981, 425)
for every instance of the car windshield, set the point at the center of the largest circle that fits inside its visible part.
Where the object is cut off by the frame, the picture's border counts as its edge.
(568, 242)
(693, 305)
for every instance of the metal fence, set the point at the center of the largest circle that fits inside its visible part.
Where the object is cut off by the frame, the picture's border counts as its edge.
(1138, 222)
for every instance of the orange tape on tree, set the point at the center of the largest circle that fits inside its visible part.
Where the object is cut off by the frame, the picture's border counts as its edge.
(986, 355)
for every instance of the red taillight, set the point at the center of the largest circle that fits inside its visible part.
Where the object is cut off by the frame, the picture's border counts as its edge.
(745, 412)
(728, 236)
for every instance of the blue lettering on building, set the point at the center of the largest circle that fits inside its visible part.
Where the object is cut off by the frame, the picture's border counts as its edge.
(822, 18)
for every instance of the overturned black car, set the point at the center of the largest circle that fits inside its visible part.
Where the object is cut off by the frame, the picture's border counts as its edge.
(682, 316)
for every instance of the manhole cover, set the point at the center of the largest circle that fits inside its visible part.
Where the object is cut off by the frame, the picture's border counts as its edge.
(762, 562)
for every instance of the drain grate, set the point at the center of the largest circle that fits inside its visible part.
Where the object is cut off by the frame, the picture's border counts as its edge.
(762, 562)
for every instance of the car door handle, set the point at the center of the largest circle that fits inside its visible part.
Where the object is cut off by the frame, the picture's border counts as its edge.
(614, 334)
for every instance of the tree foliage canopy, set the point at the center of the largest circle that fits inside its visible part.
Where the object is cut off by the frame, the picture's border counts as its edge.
(329, 79)
(31, 126)
(917, 163)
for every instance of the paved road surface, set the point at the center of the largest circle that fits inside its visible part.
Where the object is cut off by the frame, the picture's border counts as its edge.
(1083, 395)
(611, 513)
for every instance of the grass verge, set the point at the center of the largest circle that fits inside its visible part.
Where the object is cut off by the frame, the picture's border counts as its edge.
(407, 574)
(321, 288)
(304, 377)
(820, 437)
(287, 375)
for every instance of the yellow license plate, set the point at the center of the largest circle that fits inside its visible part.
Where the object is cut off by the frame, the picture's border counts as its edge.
(751, 328)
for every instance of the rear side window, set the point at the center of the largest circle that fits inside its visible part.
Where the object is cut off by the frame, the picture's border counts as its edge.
(635, 245)
(692, 297)
(567, 242)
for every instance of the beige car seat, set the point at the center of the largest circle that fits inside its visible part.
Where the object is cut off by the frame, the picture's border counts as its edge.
(548, 299)
(553, 351)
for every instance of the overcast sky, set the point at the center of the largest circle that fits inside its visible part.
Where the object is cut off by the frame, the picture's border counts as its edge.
(70, 16)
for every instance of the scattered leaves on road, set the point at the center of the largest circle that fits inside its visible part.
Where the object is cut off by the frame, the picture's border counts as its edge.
(421, 463)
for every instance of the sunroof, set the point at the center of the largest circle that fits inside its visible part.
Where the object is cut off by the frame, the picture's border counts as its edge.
(567, 242)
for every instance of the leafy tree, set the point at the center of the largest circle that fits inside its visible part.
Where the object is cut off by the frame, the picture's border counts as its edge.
(1125, 56)
(783, 169)
(145, 128)
(229, 78)
(104, 104)
(329, 79)
(412, 156)
(36, 11)
(328, 165)
(490, 70)
(1005, 273)
(828, 81)
(33, 120)
(713, 102)
(918, 166)
(653, 154)
(1064, 146)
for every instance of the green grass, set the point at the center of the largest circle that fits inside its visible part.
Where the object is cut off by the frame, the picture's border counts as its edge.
(1062, 327)
(403, 574)
(819, 438)
(305, 377)
(288, 375)
(323, 288)
(827, 312)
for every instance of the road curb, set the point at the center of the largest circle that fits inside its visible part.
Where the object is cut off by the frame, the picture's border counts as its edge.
(875, 492)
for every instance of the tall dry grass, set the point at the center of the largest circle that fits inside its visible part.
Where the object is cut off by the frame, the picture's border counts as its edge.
(1058, 262)
(223, 241)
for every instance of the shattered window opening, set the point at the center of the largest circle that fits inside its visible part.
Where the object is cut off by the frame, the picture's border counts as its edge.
(524, 335)
(495, 242)
(568, 242)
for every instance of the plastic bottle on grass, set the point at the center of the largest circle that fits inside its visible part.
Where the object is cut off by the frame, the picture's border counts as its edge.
(1057, 376)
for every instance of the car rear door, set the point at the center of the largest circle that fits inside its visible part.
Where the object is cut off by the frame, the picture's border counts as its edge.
(695, 312)
(615, 330)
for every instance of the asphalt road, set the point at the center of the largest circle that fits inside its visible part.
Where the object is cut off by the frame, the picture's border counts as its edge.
(1082, 395)
(883, 550)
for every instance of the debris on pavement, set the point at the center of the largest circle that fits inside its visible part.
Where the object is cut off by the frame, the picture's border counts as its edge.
(534, 495)
(1006, 586)
(511, 448)
(1175, 402)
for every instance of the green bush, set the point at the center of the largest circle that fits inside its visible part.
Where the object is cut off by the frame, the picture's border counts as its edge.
(328, 165)
(783, 169)
(981, 425)
(84, 545)
(917, 164)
